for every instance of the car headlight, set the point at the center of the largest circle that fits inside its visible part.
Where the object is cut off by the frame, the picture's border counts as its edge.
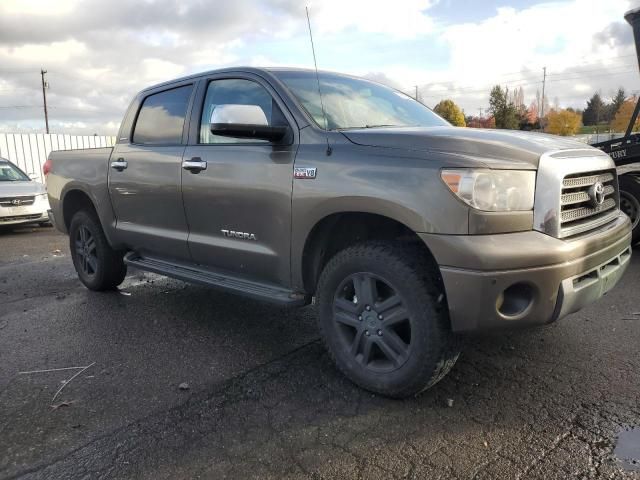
(492, 190)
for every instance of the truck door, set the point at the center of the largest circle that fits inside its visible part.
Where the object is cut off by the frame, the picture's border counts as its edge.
(237, 191)
(145, 175)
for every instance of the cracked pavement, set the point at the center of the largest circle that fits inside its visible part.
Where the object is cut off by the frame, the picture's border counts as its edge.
(264, 401)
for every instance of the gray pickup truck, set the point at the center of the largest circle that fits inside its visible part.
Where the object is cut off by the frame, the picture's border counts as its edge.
(402, 230)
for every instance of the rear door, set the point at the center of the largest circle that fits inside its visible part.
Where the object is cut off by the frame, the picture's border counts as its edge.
(145, 175)
(239, 207)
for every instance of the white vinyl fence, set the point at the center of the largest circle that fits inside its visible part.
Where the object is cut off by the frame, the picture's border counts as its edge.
(29, 151)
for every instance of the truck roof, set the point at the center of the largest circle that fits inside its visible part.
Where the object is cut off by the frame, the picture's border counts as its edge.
(256, 70)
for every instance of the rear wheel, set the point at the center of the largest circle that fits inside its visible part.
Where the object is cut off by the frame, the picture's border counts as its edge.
(383, 319)
(630, 203)
(99, 267)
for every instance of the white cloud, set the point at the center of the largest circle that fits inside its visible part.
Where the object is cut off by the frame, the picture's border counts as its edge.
(100, 53)
(399, 19)
(53, 52)
(39, 7)
(512, 47)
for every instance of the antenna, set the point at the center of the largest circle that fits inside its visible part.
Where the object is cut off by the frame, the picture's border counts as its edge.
(313, 50)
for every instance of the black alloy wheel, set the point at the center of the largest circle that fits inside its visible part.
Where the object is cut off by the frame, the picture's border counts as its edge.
(86, 251)
(373, 322)
(98, 265)
(383, 318)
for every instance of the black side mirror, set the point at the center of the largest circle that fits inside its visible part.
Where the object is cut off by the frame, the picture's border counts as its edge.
(245, 130)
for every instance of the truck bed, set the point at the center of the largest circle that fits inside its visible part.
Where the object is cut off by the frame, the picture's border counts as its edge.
(85, 169)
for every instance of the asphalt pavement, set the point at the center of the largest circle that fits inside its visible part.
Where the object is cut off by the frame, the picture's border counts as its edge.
(186, 382)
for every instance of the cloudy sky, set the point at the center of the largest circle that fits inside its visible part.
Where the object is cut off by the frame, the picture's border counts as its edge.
(99, 53)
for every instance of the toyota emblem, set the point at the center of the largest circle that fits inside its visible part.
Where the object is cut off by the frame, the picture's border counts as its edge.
(596, 193)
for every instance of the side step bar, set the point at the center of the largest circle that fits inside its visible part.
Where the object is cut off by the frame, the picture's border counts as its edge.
(192, 274)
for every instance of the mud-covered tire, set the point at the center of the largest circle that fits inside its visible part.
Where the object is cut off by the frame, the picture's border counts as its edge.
(630, 202)
(361, 334)
(99, 267)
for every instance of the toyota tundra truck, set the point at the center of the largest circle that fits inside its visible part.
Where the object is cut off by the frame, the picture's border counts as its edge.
(300, 187)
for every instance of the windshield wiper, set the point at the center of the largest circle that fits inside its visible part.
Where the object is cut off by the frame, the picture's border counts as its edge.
(369, 126)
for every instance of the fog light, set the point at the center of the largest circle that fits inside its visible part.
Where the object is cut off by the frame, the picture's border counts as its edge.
(515, 300)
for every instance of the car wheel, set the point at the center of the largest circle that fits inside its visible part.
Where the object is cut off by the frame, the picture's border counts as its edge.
(383, 318)
(630, 203)
(99, 267)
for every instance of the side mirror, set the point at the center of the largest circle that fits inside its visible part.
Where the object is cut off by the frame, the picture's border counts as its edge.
(32, 176)
(244, 121)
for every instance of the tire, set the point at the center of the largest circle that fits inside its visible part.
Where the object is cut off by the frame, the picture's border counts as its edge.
(630, 203)
(401, 286)
(99, 267)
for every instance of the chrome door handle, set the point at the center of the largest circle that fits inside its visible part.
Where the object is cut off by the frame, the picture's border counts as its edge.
(195, 165)
(119, 164)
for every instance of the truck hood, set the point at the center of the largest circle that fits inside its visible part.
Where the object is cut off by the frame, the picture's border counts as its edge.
(21, 189)
(485, 145)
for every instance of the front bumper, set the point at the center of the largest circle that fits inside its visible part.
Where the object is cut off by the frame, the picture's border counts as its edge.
(527, 278)
(36, 213)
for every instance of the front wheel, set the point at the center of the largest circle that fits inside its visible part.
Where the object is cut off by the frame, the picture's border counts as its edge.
(99, 267)
(384, 320)
(630, 203)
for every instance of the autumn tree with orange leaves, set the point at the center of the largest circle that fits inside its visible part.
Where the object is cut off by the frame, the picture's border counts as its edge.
(563, 122)
(623, 116)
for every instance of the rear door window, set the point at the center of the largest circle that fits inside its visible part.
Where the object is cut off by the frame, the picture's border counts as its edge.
(161, 117)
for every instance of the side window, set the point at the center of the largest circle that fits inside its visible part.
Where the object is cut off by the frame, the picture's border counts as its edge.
(161, 117)
(233, 95)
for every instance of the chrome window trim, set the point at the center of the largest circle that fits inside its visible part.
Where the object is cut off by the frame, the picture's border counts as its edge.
(553, 167)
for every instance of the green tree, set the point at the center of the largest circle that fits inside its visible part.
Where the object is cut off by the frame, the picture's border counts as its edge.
(616, 102)
(448, 110)
(503, 110)
(595, 111)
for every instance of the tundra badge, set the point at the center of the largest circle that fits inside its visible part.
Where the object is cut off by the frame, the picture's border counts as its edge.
(240, 235)
(304, 173)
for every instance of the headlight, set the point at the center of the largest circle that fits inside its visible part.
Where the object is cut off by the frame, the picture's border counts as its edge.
(492, 190)
(43, 197)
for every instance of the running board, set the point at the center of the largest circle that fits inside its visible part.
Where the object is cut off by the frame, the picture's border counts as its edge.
(240, 286)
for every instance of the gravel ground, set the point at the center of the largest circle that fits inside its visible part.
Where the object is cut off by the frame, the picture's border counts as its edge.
(186, 382)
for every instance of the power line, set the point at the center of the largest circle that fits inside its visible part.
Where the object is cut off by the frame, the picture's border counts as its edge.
(471, 90)
(19, 106)
(71, 109)
(528, 73)
(583, 64)
(576, 74)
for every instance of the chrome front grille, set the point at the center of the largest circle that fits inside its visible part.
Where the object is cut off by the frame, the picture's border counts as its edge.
(16, 201)
(566, 200)
(580, 209)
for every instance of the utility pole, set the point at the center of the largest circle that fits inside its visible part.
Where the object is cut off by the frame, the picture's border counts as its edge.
(45, 85)
(480, 110)
(416, 92)
(544, 81)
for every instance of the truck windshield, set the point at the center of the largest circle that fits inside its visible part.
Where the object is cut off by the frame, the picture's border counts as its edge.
(356, 103)
(9, 173)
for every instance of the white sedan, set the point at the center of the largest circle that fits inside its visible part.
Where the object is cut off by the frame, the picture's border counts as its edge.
(22, 200)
